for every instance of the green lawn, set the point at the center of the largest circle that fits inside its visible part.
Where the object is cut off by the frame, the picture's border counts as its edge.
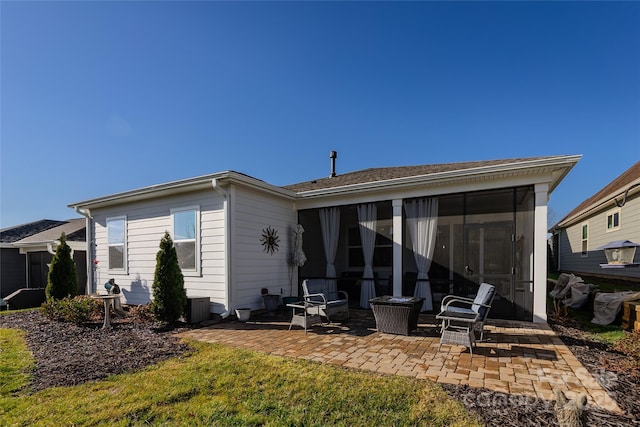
(223, 386)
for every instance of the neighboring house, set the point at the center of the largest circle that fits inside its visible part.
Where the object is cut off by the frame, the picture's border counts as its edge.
(481, 221)
(610, 215)
(27, 251)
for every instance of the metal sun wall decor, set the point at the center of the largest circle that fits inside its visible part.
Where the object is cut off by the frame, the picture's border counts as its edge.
(270, 240)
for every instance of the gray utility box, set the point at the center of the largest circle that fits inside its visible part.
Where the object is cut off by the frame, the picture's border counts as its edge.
(197, 309)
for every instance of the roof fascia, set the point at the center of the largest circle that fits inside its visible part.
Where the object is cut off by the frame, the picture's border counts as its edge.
(558, 168)
(247, 181)
(175, 187)
(433, 189)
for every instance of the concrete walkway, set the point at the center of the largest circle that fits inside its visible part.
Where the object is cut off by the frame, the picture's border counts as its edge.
(521, 358)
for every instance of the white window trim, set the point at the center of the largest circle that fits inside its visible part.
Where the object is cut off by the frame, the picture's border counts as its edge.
(125, 249)
(197, 271)
(611, 214)
(584, 254)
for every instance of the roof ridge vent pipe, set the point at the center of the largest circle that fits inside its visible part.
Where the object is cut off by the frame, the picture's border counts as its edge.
(333, 155)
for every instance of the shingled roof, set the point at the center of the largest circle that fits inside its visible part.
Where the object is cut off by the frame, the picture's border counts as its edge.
(614, 188)
(74, 230)
(19, 232)
(388, 173)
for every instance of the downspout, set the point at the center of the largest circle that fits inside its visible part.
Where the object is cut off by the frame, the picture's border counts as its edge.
(227, 247)
(90, 256)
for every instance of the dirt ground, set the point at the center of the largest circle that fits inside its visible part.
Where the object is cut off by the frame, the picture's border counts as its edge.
(68, 354)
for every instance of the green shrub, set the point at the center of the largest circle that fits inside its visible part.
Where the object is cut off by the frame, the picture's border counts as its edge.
(141, 313)
(79, 309)
(169, 296)
(62, 280)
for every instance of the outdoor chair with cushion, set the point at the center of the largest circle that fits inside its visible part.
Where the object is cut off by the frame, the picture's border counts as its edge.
(477, 308)
(328, 302)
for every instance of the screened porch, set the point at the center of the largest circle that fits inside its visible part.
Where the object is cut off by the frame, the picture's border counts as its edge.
(428, 246)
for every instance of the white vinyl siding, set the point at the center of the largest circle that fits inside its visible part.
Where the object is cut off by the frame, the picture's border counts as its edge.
(117, 244)
(147, 222)
(254, 267)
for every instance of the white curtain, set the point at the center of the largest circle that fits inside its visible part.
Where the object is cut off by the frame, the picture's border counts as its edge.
(422, 223)
(330, 225)
(367, 217)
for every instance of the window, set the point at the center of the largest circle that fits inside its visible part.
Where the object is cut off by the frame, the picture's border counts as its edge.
(613, 220)
(186, 231)
(117, 242)
(585, 240)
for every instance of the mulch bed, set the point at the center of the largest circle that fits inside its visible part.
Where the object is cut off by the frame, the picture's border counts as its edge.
(68, 354)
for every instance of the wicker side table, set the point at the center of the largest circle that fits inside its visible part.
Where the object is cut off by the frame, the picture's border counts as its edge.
(303, 317)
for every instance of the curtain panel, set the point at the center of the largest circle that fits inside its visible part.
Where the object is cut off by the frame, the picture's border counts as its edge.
(422, 224)
(367, 220)
(330, 225)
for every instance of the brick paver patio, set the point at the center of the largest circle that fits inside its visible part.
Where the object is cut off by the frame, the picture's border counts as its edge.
(520, 358)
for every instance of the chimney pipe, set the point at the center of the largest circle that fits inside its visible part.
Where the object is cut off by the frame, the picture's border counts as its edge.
(333, 155)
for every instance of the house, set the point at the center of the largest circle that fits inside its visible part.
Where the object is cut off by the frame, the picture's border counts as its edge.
(612, 214)
(27, 250)
(431, 229)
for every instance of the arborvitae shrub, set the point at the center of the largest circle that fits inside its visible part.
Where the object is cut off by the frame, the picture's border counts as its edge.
(169, 295)
(62, 281)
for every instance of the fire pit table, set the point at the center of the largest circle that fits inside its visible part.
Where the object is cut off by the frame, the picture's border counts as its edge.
(396, 315)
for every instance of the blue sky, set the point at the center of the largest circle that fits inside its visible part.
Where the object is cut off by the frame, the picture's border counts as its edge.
(102, 97)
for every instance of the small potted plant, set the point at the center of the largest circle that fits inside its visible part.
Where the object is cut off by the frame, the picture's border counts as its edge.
(270, 301)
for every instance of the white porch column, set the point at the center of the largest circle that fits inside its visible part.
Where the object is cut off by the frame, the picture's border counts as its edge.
(540, 254)
(398, 244)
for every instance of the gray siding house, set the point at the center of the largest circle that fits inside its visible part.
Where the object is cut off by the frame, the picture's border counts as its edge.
(485, 221)
(27, 251)
(612, 214)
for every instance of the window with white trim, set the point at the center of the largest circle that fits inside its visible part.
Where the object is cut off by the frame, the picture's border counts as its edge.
(613, 220)
(585, 240)
(186, 237)
(117, 243)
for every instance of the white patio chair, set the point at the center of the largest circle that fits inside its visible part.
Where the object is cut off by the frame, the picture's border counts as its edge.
(329, 303)
(480, 306)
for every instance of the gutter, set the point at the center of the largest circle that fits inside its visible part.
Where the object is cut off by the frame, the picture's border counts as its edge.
(227, 246)
(90, 255)
(632, 188)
